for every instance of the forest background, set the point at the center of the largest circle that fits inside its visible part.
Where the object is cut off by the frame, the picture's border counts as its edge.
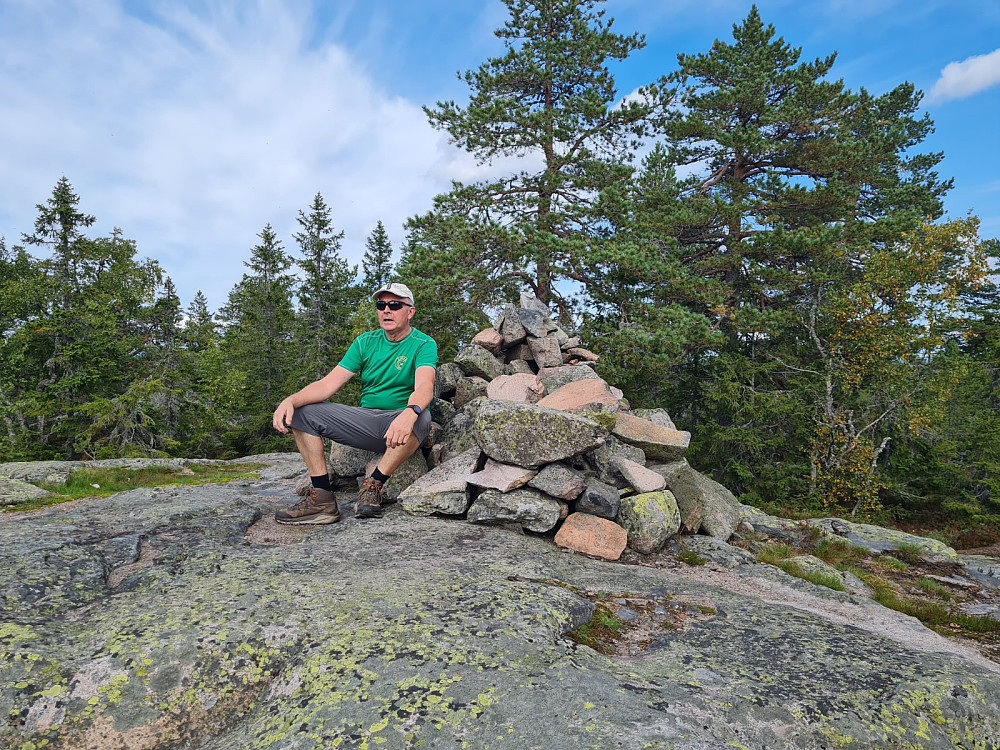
(745, 242)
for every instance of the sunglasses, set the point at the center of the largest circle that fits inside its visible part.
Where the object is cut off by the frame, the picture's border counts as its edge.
(391, 304)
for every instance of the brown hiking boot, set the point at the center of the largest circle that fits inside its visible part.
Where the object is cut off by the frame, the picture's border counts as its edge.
(318, 507)
(369, 500)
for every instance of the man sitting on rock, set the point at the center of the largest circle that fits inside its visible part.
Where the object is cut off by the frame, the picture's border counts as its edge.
(397, 366)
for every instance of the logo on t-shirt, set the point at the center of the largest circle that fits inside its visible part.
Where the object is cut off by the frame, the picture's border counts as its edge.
(400, 361)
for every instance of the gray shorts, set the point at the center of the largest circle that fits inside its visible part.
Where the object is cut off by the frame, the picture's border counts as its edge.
(354, 425)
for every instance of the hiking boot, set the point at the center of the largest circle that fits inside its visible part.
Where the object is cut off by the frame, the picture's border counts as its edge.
(318, 507)
(369, 500)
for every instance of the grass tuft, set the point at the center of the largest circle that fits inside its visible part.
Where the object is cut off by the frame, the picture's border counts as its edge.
(109, 481)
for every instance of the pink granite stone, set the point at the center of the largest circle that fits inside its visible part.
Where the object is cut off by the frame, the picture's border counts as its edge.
(503, 477)
(490, 339)
(523, 387)
(593, 536)
(576, 396)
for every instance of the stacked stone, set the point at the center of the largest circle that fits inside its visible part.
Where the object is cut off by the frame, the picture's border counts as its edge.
(526, 435)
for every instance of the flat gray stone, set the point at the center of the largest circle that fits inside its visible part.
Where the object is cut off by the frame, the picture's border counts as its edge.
(14, 491)
(559, 481)
(432, 633)
(659, 443)
(477, 361)
(444, 489)
(533, 510)
(598, 499)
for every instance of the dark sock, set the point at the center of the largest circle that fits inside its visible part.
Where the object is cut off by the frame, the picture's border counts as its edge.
(379, 477)
(321, 482)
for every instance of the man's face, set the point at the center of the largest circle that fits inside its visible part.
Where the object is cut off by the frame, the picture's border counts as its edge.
(394, 321)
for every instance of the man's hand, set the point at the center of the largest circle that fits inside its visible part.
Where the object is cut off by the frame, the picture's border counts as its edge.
(400, 429)
(283, 416)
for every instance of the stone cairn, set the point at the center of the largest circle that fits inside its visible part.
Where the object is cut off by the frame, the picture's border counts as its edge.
(527, 436)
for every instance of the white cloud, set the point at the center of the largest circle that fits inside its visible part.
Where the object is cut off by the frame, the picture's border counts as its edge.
(970, 76)
(192, 130)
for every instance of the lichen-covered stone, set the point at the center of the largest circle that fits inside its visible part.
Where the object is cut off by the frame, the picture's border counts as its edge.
(879, 539)
(533, 510)
(658, 443)
(650, 519)
(531, 436)
(476, 361)
(812, 564)
(605, 459)
(443, 489)
(713, 550)
(705, 505)
(559, 481)
(14, 491)
(469, 389)
(456, 436)
(412, 469)
(446, 378)
(442, 411)
(554, 378)
(347, 462)
(428, 633)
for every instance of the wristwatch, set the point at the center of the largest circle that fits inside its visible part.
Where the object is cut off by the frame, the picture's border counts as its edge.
(416, 409)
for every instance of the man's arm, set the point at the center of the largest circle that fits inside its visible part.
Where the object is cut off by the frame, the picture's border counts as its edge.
(423, 393)
(319, 390)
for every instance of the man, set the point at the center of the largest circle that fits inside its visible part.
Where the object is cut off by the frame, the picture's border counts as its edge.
(397, 365)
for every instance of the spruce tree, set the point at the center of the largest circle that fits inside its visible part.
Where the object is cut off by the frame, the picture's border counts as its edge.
(377, 263)
(258, 347)
(328, 294)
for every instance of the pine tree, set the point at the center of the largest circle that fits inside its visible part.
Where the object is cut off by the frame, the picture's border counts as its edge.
(551, 96)
(806, 196)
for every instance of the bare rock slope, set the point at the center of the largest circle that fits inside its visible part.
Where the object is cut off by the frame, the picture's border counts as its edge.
(151, 619)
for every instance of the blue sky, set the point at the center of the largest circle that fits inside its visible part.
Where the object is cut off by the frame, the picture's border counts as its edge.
(191, 125)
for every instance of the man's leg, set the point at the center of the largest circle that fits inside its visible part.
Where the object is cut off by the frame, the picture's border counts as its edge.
(311, 449)
(320, 506)
(393, 458)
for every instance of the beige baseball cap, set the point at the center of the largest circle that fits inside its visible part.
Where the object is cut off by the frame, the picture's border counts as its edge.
(400, 290)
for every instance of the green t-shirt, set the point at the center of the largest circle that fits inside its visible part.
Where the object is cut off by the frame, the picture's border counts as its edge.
(388, 368)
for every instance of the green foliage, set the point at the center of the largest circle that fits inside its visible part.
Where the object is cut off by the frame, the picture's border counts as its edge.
(377, 263)
(327, 293)
(258, 345)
